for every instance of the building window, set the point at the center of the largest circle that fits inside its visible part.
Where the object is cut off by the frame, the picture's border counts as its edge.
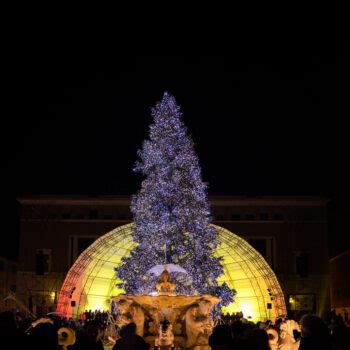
(107, 217)
(249, 217)
(278, 217)
(42, 261)
(264, 216)
(302, 264)
(235, 217)
(220, 217)
(93, 214)
(84, 243)
(77, 245)
(65, 216)
(300, 304)
(259, 245)
(52, 215)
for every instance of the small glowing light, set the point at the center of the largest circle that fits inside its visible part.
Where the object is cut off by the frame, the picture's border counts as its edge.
(52, 295)
(291, 300)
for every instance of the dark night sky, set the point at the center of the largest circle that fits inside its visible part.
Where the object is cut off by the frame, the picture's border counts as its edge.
(266, 121)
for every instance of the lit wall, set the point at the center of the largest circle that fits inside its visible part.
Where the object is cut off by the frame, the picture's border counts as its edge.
(91, 280)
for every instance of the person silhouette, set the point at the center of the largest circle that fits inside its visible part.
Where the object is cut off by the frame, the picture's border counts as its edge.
(129, 340)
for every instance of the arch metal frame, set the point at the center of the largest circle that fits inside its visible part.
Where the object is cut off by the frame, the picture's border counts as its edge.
(91, 281)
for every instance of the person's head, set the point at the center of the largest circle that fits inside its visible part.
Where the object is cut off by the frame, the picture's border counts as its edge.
(92, 331)
(313, 326)
(19, 317)
(221, 335)
(44, 336)
(7, 320)
(258, 339)
(128, 329)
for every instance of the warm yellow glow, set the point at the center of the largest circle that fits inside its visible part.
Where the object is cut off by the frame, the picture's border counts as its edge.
(248, 310)
(101, 278)
(291, 300)
(52, 295)
(94, 280)
(97, 304)
(231, 308)
(247, 272)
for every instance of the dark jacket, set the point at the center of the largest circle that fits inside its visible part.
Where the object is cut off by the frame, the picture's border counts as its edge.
(131, 342)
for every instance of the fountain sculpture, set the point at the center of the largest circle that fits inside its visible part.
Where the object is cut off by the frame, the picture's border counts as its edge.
(167, 319)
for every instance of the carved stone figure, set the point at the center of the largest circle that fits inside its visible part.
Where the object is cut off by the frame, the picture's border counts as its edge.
(165, 335)
(122, 304)
(273, 338)
(189, 323)
(139, 318)
(287, 341)
(165, 286)
(154, 320)
(129, 311)
(199, 324)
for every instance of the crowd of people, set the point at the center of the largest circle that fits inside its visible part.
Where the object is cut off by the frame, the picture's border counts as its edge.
(95, 329)
(53, 332)
(311, 332)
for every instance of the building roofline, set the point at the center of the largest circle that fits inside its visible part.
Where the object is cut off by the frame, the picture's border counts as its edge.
(74, 200)
(270, 200)
(214, 200)
(339, 255)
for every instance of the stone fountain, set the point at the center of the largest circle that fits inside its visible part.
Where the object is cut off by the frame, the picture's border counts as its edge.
(167, 320)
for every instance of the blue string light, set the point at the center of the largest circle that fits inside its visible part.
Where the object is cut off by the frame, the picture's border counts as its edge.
(171, 210)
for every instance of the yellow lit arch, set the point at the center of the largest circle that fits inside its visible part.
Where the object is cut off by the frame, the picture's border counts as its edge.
(91, 281)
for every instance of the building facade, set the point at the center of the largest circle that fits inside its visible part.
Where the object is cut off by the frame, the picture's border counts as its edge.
(340, 283)
(289, 232)
(8, 283)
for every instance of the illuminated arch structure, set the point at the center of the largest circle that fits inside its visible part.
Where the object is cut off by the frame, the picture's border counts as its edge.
(91, 281)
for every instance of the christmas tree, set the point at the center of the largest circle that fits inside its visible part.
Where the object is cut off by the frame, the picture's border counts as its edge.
(171, 213)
